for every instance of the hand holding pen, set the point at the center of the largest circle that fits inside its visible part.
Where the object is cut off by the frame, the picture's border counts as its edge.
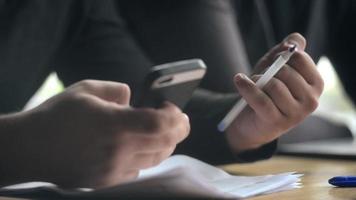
(278, 104)
(265, 78)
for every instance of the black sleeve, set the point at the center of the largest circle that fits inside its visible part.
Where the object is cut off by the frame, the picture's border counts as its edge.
(102, 49)
(205, 142)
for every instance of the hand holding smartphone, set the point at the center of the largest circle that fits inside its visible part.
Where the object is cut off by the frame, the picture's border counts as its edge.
(174, 82)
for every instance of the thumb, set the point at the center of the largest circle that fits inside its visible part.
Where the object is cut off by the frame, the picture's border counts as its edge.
(270, 56)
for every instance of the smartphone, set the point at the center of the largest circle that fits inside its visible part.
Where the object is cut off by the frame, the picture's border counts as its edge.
(174, 82)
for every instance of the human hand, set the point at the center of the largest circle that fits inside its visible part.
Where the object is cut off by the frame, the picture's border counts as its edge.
(89, 136)
(284, 102)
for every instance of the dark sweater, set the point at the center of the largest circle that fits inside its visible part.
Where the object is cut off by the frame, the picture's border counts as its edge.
(87, 39)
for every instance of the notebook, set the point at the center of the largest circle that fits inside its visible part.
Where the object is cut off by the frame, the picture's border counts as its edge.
(179, 176)
(334, 148)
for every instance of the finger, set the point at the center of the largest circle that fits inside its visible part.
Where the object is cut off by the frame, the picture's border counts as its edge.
(255, 97)
(281, 97)
(304, 93)
(305, 66)
(169, 107)
(168, 119)
(151, 129)
(166, 154)
(294, 82)
(270, 56)
(176, 131)
(108, 90)
(149, 120)
(176, 120)
(298, 39)
(139, 120)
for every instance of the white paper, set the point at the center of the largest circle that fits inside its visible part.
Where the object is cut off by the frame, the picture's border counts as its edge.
(178, 176)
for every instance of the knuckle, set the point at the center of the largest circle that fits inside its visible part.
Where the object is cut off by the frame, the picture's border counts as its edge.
(298, 55)
(322, 84)
(172, 109)
(311, 103)
(271, 114)
(298, 117)
(185, 124)
(181, 124)
(285, 72)
(124, 89)
(155, 124)
(77, 100)
(168, 152)
(295, 114)
(168, 141)
(158, 125)
(187, 132)
(172, 119)
(87, 85)
(157, 143)
(262, 102)
(255, 77)
(319, 84)
(276, 85)
(151, 121)
(276, 118)
(122, 141)
(156, 160)
(128, 176)
(176, 109)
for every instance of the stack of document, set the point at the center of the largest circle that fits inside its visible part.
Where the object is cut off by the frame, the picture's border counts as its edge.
(177, 177)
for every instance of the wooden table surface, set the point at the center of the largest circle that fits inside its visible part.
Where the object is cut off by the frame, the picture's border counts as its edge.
(315, 180)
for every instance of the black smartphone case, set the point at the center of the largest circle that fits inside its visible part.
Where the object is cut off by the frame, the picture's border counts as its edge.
(179, 94)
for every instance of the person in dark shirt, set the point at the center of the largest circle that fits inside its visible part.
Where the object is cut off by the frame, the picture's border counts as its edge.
(232, 35)
(89, 136)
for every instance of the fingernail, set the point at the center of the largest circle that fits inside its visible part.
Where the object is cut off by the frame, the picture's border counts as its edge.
(239, 77)
(186, 117)
(290, 41)
(241, 80)
(293, 39)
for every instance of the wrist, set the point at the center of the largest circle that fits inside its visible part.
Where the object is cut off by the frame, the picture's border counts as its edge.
(239, 144)
(13, 152)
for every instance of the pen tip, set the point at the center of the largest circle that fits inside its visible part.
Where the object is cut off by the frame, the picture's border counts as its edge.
(221, 127)
(292, 48)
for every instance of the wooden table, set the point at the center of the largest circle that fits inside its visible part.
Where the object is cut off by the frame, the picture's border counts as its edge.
(315, 180)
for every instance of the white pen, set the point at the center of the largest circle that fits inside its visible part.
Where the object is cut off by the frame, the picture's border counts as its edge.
(267, 76)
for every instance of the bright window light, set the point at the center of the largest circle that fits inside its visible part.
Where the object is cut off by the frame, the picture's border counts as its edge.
(335, 105)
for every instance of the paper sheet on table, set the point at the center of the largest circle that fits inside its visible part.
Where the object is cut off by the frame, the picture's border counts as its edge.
(178, 176)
